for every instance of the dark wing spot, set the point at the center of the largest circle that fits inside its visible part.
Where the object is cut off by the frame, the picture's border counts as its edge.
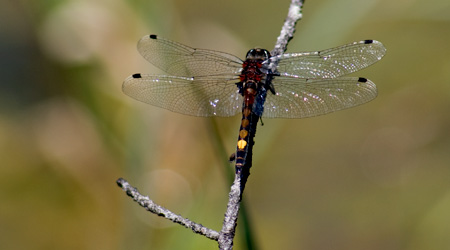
(153, 36)
(368, 41)
(137, 75)
(362, 79)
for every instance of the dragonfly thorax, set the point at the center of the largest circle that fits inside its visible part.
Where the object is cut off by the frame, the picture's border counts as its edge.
(254, 72)
(253, 68)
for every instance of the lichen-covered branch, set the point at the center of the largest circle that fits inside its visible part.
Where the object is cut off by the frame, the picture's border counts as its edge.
(229, 224)
(287, 31)
(150, 206)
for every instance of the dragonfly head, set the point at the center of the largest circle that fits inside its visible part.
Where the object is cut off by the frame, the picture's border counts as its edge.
(257, 54)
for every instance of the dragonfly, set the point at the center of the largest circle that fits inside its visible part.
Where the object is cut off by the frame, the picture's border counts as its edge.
(208, 83)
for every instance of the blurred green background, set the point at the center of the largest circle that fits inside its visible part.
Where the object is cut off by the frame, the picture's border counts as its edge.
(373, 177)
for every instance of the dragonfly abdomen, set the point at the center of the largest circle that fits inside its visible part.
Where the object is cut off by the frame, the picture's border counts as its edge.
(247, 129)
(250, 85)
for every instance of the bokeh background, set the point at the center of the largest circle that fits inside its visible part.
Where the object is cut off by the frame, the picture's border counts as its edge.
(372, 177)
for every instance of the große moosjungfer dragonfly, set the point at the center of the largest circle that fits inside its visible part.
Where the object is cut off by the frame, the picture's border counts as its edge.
(211, 83)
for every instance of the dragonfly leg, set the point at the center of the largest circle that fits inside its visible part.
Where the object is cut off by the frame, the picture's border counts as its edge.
(232, 157)
(268, 83)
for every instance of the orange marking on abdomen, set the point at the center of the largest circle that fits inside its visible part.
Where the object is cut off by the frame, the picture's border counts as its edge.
(243, 133)
(245, 123)
(246, 112)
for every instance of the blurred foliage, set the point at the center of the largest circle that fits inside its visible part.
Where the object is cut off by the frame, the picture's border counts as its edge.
(372, 177)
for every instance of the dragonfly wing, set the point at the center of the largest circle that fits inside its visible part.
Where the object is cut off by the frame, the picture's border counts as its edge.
(181, 60)
(331, 63)
(300, 98)
(199, 96)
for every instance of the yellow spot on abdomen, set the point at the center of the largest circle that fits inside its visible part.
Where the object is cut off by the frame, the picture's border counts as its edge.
(242, 144)
(243, 133)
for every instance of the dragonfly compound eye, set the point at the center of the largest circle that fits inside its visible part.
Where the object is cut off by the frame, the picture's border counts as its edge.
(257, 54)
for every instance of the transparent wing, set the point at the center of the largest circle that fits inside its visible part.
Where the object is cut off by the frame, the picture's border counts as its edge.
(199, 96)
(180, 60)
(331, 63)
(300, 98)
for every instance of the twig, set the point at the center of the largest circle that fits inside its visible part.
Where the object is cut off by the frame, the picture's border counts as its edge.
(150, 206)
(287, 32)
(229, 224)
